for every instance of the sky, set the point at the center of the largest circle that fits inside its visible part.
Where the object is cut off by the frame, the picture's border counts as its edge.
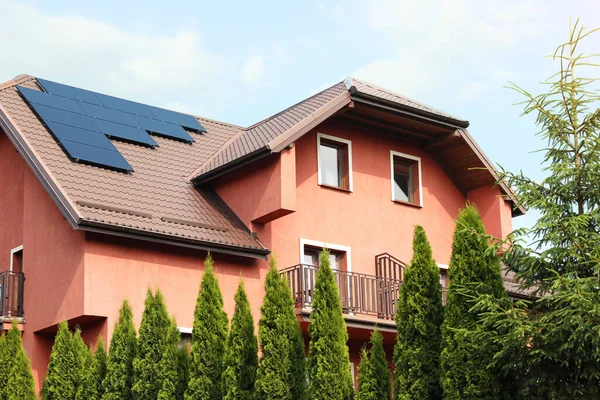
(240, 62)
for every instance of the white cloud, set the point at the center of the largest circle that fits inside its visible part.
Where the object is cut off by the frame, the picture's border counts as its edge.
(334, 10)
(253, 71)
(90, 53)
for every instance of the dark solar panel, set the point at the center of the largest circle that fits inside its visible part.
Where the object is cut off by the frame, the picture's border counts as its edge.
(124, 132)
(96, 155)
(164, 129)
(69, 91)
(173, 117)
(84, 121)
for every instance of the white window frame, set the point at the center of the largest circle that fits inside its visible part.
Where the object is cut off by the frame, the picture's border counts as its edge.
(408, 157)
(330, 246)
(184, 330)
(442, 266)
(348, 143)
(12, 256)
(352, 372)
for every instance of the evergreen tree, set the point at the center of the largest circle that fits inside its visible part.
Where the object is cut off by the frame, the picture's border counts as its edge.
(281, 373)
(241, 357)
(170, 366)
(119, 364)
(366, 383)
(379, 367)
(466, 361)
(5, 358)
(328, 360)
(183, 369)
(418, 321)
(209, 337)
(85, 382)
(62, 375)
(99, 368)
(152, 344)
(20, 384)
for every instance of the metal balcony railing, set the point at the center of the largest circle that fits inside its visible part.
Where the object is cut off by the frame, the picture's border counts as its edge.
(360, 294)
(11, 294)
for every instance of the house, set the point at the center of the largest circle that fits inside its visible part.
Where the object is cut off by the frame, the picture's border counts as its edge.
(102, 198)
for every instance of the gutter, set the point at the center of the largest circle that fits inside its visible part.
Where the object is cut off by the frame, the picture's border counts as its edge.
(235, 164)
(112, 230)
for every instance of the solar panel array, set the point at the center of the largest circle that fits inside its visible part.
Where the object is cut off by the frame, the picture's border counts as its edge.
(83, 121)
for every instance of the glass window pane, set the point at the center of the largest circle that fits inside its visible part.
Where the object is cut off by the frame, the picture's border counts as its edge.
(403, 182)
(329, 165)
(311, 257)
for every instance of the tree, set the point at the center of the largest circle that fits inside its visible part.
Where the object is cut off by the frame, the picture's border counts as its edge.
(550, 346)
(183, 369)
(99, 368)
(62, 374)
(19, 384)
(419, 318)
(169, 366)
(374, 380)
(281, 372)
(474, 269)
(119, 364)
(328, 359)
(209, 336)
(85, 381)
(241, 358)
(152, 343)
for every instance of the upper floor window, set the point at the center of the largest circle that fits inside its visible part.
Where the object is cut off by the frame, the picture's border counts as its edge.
(335, 162)
(406, 178)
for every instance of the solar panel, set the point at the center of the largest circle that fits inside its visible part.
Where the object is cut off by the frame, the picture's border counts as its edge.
(124, 132)
(173, 117)
(83, 121)
(69, 91)
(164, 129)
(96, 155)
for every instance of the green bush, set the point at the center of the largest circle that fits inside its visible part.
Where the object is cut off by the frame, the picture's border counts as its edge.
(18, 383)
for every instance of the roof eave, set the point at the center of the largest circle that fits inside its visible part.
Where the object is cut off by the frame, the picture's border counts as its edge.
(235, 164)
(107, 229)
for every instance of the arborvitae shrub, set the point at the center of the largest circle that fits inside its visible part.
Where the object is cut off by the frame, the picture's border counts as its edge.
(466, 362)
(241, 358)
(374, 380)
(20, 384)
(119, 364)
(169, 365)
(62, 375)
(328, 360)
(418, 322)
(209, 337)
(366, 383)
(152, 343)
(99, 367)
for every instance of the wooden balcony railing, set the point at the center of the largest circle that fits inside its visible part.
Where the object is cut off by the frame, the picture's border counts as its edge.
(360, 294)
(11, 294)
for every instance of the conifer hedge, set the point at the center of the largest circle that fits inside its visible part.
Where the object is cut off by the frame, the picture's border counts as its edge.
(419, 318)
(328, 359)
(209, 337)
(16, 379)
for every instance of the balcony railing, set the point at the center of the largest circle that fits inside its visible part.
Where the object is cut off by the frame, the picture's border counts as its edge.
(11, 294)
(360, 294)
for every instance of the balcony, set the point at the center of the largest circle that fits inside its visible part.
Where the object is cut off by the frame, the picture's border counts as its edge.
(360, 294)
(11, 295)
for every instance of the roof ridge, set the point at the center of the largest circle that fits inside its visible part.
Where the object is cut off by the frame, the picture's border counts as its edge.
(225, 145)
(292, 106)
(17, 80)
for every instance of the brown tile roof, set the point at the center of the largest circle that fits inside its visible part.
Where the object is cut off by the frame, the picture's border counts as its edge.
(156, 200)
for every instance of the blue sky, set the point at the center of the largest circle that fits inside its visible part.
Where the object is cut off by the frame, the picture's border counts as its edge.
(241, 63)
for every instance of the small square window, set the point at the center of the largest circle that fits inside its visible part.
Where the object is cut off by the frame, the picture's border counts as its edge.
(334, 162)
(406, 179)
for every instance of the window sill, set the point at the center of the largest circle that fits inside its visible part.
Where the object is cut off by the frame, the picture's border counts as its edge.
(406, 203)
(335, 188)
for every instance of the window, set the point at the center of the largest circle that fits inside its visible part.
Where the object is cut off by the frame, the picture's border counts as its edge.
(335, 162)
(16, 259)
(406, 178)
(339, 256)
(311, 257)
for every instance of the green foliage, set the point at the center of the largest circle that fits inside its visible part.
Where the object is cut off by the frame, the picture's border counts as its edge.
(474, 270)
(328, 360)
(17, 380)
(209, 337)
(119, 364)
(281, 373)
(418, 320)
(85, 382)
(183, 369)
(148, 376)
(99, 368)
(374, 380)
(62, 376)
(169, 366)
(549, 348)
(241, 358)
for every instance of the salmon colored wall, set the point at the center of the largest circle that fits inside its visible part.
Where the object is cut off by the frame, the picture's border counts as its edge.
(495, 211)
(118, 269)
(264, 191)
(11, 200)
